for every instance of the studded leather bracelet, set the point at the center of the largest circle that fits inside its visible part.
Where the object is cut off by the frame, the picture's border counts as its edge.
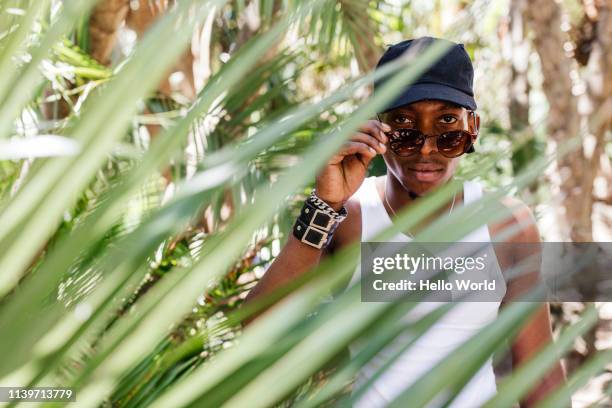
(317, 222)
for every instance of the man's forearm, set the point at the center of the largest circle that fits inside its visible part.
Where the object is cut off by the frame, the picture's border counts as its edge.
(294, 260)
(551, 381)
(532, 339)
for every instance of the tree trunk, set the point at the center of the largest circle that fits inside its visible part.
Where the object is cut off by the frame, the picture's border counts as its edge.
(104, 23)
(140, 19)
(516, 50)
(599, 90)
(544, 19)
(519, 64)
(579, 169)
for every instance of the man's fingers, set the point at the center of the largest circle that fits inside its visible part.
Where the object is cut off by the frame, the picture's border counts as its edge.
(358, 148)
(371, 141)
(372, 127)
(376, 129)
(353, 148)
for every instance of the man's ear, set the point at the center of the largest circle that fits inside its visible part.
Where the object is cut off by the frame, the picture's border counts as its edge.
(475, 122)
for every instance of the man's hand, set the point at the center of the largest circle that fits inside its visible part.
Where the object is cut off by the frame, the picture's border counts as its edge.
(346, 170)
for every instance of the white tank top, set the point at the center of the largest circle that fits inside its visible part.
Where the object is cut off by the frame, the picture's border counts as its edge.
(458, 325)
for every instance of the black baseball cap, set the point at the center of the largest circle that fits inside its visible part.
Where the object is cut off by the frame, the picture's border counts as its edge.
(450, 78)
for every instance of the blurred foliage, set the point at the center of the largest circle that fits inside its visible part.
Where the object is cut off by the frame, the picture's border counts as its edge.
(125, 227)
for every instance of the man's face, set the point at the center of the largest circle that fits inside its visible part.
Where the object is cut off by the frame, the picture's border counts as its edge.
(427, 168)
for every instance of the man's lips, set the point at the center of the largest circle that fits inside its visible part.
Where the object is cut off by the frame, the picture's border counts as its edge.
(426, 168)
(426, 172)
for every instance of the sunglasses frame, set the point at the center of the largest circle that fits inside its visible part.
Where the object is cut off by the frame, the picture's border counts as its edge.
(468, 148)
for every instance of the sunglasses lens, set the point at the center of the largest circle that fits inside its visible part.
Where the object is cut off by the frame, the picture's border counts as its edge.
(453, 144)
(405, 142)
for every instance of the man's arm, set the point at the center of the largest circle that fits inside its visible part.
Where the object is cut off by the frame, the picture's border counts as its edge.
(533, 337)
(294, 259)
(335, 185)
(297, 258)
(536, 333)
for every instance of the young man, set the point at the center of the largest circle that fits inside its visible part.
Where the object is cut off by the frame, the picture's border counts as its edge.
(421, 136)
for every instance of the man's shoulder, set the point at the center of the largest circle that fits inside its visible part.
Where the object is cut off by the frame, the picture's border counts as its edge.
(520, 225)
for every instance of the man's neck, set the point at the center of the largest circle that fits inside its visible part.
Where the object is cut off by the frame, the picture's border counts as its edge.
(398, 196)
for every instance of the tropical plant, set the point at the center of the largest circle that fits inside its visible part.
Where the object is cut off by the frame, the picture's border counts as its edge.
(126, 251)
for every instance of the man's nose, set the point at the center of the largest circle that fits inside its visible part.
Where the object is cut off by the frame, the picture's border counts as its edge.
(429, 146)
(426, 127)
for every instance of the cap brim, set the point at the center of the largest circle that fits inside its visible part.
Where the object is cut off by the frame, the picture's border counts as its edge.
(423, 91)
